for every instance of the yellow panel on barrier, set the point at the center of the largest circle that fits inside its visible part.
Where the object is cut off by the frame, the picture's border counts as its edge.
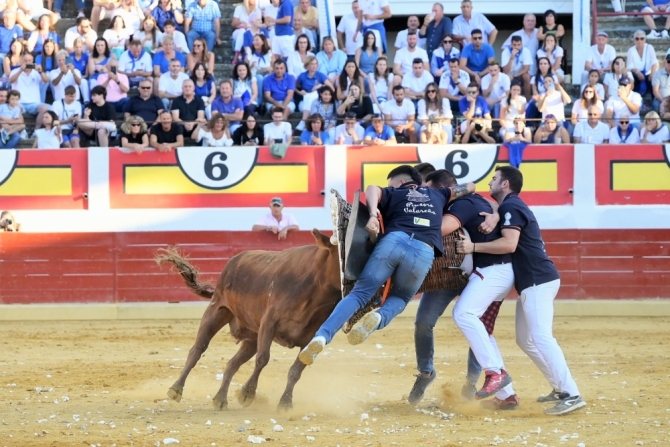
(537, 176)
(171, 180)
(38, 182)
(376, 173)
(646, 176)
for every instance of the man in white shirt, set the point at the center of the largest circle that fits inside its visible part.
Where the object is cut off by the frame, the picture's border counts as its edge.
(170, 83)
(350, 132)
(413, 25)
(63, 75)
(299, 30)
(529, 39)
(400, 114)
(82, 31)
(516, 63)
(278, 131)
(404, 57)
(495, 87)
(600, 57)
(179, 39)
(348, 38)
(27, 79)
(277, 221)
(660, 84)
(415, 83)
(68, 110)
(468, 21)
(593, 130)
(454, 84)
(136, 63)
(628, 102)
(371, 17)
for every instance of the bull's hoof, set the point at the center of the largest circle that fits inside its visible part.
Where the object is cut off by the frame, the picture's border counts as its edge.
(285, 405)
(220, 404)
(245, 397)
(175, 393)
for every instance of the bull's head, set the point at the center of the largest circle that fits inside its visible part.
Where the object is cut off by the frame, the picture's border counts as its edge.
(328, 258)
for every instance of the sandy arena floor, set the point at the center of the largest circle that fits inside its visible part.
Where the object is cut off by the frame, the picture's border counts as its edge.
(105, 383)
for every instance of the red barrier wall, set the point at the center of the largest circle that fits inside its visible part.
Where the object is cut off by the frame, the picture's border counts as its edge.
(119, 267)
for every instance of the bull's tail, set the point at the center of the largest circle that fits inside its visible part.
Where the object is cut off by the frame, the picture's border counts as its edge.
(186, 270)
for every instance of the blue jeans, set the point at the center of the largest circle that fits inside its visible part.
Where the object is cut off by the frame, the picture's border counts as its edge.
(209, 36)
(58, 5)
(12, 142)
(398, 256)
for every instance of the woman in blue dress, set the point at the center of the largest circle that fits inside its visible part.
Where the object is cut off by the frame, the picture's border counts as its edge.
(97, 62)
(366, 56)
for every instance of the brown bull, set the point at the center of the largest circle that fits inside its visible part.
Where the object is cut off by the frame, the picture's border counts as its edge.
(263, 296)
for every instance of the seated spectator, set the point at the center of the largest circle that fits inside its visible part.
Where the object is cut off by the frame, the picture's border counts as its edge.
(226, 104)
(307, 86)
(283, 39)
(551, 132)
(241, 18)
(415, 83)
(47, 62)
(63, 75)
(594, 83)
(331, 60)
(170, 83)
(358, 103)
(433, 132)
(314, 134)
(14, 57)
(624, 133)
(554, 54)
(278, 222)
(188, 109)
(350, 132)
(538, 86)
(468, 21)
(517, 63)
(378, 133)
(244, 87)
(513, 105)
(146, 105)
(68, 110)
(250, 133)
(550, 27)
(436, 26)
(404, 57)
(454, 84)
(136, 64)
(116, 84)
(102, 9)
(260, 61)
(653, 131)
(279, 88)
(367, 55)
(32, 10)
(179, 39)
(400, 114)
(164, 12)
(554, 101)
(519, 133)
(348, 36)
(214, 133)
(351, 75)
(11, 121)
(642, 62)
(97, 61)
(592, 130)
(660, 84)
(611, 79)
(205, 85)
(149, 35)
(439, 62)
(478, 131)
(203, 19)
(656, 6)
(278, 131)
(413, 26)
(299, 30)
(3, 96)
(200, 54)
(476, 57)
(433, 105)
(326, 107)
(162, 60)
(165, 135)
(48, 135)
(600, 57)
(529, 39)
(99, 118)
(43, 32)
(117, 36)
(8, 223)
(295, 63)
(132, 14)
(82, 31)
(134, 135)
(29, 79)
(495, 86)
(581, 108)
(381, 84)
(80, 62)
(626, 102)
(473, 106)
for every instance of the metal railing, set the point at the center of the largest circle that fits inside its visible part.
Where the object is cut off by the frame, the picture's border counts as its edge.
(595, 14)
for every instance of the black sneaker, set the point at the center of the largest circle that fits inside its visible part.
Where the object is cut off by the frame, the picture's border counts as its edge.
(566, 405)
(419, 387)
(469, 390)
(554, 396)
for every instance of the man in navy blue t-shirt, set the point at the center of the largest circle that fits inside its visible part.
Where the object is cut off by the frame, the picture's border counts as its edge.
(537, 281)
(412, 216)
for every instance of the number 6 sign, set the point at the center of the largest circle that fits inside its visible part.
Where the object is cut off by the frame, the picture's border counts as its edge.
(216, 168)
(468, 163)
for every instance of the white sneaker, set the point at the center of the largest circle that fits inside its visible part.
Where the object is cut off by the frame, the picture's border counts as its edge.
(300, 126)
(81, 14)
(58, 15)
(653, 34)
(664, 34)
(313, 348)
(366, 326)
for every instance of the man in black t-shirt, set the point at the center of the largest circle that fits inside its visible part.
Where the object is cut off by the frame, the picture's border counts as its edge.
(537, 281)
(166, 135)
(99, 118)
(412, 216)
(188, 109)
(147, 105)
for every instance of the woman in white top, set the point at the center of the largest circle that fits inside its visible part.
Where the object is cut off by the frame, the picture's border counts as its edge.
(270, 16)
(641, 61)
(241, 19)
(554, 53)
(580, 108)
(554, 101)
(537, 81)
(295, 63)
(149, 35)
(519, 133)
(49, 135)
(215, 133)
(260, 60)
(132, 14)
(653, 131)
(624, 133)
(433, 105)
(611, 78)
(594, 81)
(380, 84)
(512, 106)
(117, 36)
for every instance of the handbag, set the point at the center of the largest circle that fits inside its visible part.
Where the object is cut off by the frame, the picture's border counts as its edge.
(278, 150)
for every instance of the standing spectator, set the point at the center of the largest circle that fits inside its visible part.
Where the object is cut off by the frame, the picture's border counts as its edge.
(435, 28)
(349, 76)
(278, 131)
(277, 221)
(136, 63)
(551, 132)
(654, 131)
(170, 83)
(179, 39)
(117, 36)
(551, 28)
(48, 135)
(205, 86)
(98, 122)
(68, 110)
(510, 107)
(102, 9)
(473, 107)
(149, 34)
(378, 133)
(199, 53)
(134, 134)
(554, 54)
(626, 102)
(63, 75)
(477, 56)
(380, 84)
(624, 133)
(250, 133)
(415, 83)
(656, 6)
(529, 39)
(244, 87)
(412, 27)
(295, 64)
(43, 32)
(282, 43)
(348, 36)
(188, 109)
(9, 31)
(81, 31)
(215, 133)
(29, 79)
(307, 86)
(641, 60)
(404, 57)
(203, 19)
(439, 62)
(146, 105)
(661, 84)
(371, 17)
(166, 11)
(495, 87)
(226, 104)
(314, 135)
(11, 121)
(600, 57)
(331, 60)
(367, 55)
(358, 103)
(469, 21)
(592, 130)
(517, 62)
(279, 88)
(580, 110)
(400, 114)
(454, 83)
(350, 132)
(553, 102)
(166, 135)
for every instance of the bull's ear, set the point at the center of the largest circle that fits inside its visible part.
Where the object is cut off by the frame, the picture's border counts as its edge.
(322, 241)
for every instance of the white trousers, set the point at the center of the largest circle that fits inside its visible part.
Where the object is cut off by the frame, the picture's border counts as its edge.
(534, 320)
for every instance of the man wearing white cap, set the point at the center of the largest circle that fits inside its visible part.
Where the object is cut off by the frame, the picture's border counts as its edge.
(276, 220)
(599, 58)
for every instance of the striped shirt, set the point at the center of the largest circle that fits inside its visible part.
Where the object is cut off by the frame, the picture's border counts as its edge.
(203, 17)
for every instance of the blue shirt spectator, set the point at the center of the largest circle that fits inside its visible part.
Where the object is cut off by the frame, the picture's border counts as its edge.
(279, 88)
(306, 137)
(481, 106)
(478, 59)
(164, 63)
(285, 9)
(80, 64)
(307, 84)
(162, 16)
(230, 107)
(438, 28)
(331, 66)
(7, 35)
(387, 133)
(203, 16)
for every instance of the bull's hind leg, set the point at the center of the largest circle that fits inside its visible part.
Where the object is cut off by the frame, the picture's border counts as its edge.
(212, 321)
(265, 336)
(286, 401)
(242, 356)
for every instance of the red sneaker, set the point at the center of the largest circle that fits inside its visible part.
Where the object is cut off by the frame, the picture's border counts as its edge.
(493, 383)
(497, 404)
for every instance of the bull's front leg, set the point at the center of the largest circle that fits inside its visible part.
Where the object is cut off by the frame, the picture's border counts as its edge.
(247, 393)
(242, 356)
(286, 401)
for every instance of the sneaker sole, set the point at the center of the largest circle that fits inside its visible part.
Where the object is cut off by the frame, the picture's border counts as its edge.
(363, 331)
(506, 381)
(310, 352)
(545, 399)
(570, 409)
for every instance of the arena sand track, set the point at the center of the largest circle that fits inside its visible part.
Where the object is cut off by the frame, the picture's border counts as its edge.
(114, 377)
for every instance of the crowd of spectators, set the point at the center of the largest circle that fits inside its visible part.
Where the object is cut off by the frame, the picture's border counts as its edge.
(147, 80)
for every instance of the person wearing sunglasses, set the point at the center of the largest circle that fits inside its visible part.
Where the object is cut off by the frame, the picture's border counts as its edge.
(477, 56)
(593, 130)
(134, 135)
(654, 131)
(473, 106)
(439, 60)
(435, 27)
(529, 39)
(624, 133)
(580, 108)
(641, 60)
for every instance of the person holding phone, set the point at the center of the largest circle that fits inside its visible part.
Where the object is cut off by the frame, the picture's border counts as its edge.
(27, 79)
(433, 132)
(116, 83)
(278, 131)
(68, 110)
(64, 75)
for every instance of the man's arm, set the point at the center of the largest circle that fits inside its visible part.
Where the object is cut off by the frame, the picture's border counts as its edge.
(492, 36)
(462, 190)
(506, 244)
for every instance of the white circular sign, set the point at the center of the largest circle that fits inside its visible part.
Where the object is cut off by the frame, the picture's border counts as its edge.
(468, 163)
(216, 167)
(8, 160)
